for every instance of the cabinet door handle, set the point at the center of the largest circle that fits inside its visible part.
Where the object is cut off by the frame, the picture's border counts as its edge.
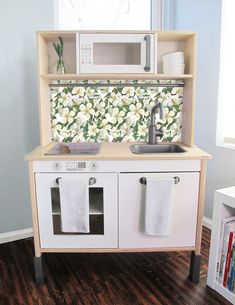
(147, 38)
(92, 180)
(143, 180)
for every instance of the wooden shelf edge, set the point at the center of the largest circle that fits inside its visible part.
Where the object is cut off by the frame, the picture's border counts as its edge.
(114, 76)
(114, 250)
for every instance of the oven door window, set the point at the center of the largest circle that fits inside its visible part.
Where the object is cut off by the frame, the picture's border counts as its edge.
(96, 211)
(116, 53)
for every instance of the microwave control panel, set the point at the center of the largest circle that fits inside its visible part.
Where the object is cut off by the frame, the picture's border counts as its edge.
(86, 53)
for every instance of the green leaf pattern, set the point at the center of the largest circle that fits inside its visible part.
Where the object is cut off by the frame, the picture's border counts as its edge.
(114, 113)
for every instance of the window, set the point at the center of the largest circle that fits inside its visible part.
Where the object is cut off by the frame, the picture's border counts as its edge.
(226, 103)
(108, 14)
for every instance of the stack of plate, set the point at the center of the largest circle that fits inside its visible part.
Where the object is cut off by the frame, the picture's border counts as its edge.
(173, 63)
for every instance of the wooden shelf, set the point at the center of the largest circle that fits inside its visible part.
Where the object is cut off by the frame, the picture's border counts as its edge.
(163, 35)
(114, 76)
(166, 43)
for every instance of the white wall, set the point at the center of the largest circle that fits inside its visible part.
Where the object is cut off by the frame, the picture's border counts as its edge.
(203, 16)
(18, 104)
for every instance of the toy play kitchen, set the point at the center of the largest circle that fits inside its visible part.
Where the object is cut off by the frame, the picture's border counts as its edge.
(117, 169)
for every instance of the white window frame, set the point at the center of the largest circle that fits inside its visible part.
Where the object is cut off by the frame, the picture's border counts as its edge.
(163, 19)
(157, 19)
(224, 139)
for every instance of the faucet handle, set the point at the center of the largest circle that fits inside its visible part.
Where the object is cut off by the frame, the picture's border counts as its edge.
(159, 133)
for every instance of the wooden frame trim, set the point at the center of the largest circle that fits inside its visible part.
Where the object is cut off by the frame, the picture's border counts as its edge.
(113, 250)
(201, 199)
(34, 210)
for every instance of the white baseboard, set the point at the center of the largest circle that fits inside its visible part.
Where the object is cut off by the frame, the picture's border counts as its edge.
(207, 222)
(15, 235)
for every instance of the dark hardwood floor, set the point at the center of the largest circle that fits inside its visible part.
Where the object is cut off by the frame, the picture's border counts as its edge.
(110, 279)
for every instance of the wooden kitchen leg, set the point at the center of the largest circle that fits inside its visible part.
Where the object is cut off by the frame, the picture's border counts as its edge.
(38, 268)
(195, 265)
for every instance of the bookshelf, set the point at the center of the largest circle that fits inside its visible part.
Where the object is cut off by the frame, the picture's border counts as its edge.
(224, 207)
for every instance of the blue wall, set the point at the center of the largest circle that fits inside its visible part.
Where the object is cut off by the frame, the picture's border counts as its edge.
(18, 104)
(204, 16)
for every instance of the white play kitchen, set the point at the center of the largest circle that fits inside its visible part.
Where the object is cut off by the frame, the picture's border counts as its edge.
(117, 169)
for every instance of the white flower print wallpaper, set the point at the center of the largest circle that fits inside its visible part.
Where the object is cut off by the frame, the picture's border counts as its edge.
(114, 111)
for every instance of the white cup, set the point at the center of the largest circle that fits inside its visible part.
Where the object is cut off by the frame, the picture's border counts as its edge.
(173, 69)
(175, 58)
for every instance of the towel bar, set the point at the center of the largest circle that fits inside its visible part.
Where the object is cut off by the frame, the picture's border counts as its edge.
(143, 180)
(92, 180)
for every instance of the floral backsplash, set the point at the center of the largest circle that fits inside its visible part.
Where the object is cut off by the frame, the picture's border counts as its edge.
(114, 113)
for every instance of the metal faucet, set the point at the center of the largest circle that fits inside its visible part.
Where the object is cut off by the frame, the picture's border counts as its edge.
(153, 131)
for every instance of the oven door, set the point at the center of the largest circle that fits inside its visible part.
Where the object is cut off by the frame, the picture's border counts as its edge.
(102, 211)
(115, 53)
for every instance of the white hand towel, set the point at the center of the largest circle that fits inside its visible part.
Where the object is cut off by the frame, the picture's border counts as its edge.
(158, 206)
(74, 203)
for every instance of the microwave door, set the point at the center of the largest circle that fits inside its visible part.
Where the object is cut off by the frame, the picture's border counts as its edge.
(116, 53)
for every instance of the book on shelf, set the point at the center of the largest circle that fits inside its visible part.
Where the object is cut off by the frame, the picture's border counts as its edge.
(230, 284)
(233, 272)
(227, 226)
(228, 262)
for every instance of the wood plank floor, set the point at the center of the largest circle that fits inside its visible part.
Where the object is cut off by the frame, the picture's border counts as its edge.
(103, 279)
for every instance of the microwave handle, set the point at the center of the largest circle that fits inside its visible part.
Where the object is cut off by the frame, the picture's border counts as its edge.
(147, 38)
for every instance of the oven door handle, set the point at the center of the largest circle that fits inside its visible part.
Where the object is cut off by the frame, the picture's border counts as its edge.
(92, 180)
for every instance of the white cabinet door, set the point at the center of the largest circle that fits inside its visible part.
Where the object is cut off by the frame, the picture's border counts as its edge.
(132, 205)
(102, 212)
